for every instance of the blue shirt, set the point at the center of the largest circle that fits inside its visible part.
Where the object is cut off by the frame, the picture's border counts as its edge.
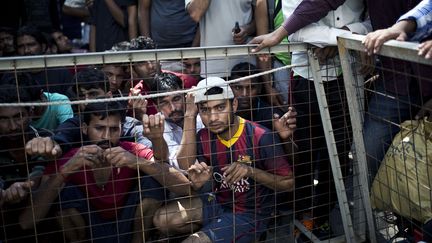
(422, 14)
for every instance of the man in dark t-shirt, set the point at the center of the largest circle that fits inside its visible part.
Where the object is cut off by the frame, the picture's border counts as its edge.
(110, 26)
(240, 164)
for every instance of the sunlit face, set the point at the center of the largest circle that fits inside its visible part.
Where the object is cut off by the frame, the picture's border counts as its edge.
(172, 107)
(245, 92)
(103, 132)
(6, 42)
(27, 45)
(14, 121)
(217, 115)
(116, 77)
(63, 43)
(192, 66)
(147, 69)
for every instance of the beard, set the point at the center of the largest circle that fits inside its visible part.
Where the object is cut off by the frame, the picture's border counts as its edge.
(105, 144)
(176, 117)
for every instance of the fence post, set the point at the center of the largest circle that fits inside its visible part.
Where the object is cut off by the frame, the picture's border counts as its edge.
(360, 175)
(332, 149)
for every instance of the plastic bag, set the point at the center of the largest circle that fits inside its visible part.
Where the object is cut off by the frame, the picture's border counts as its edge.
(404, 179)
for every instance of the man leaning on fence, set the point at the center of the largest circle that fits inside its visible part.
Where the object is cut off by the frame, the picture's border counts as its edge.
(239, 165)
(109, 188)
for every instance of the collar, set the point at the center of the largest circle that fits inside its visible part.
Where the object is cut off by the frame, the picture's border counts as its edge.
(233, 140)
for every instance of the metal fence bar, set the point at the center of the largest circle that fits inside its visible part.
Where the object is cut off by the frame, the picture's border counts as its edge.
(332, 150)
(362, 206)
(62, 60)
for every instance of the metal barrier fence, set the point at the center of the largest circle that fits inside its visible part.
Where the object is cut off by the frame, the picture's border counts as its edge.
(353, 206)
(385, 172)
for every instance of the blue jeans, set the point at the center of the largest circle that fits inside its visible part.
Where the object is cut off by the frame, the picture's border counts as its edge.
(382, 123)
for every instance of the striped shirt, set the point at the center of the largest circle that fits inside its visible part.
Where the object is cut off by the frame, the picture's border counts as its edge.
(422, 14)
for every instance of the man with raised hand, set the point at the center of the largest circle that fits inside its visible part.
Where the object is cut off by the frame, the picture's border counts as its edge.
(109, 188)
(240, 165)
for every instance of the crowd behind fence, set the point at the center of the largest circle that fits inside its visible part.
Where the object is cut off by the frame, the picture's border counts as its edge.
(113, 158)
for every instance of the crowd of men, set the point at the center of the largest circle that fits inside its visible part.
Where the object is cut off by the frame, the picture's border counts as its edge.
(210, 165)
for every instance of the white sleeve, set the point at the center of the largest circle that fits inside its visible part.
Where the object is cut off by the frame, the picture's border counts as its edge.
(322, 35)
(187, 3)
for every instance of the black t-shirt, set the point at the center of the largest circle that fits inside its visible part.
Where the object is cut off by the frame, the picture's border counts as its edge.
(108, 31)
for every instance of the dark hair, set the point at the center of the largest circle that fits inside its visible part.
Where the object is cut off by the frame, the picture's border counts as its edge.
(139, 43)
(7, 30)
(244, 69)
(166, 82)
(33, 32)
(26, 82)
(12, 94)
(105, 109)
(91, 78)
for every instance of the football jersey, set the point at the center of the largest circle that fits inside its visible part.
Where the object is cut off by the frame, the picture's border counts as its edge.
(252, 144)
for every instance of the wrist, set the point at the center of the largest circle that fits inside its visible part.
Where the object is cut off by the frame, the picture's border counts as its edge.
(190, 115)
(64, 173)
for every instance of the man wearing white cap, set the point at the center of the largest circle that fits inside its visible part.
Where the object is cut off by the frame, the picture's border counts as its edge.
(235, 166)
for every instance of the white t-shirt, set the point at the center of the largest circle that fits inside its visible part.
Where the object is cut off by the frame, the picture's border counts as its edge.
(216, 30)
(75, 3)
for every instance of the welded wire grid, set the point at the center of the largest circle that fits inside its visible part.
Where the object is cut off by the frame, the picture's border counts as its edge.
(389, 140)
(317, 202)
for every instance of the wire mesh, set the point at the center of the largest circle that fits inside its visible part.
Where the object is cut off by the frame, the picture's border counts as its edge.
(154, 200)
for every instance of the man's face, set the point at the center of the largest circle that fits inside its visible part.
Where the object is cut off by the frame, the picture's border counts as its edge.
(103, 132)
(172, 107)
(87, 94)
(217, 115)
(245, 92)
(192, 67)
(6, 42)
(147, 69)
(116, 77)
(63, 43)
(27, 45)
(13, 122)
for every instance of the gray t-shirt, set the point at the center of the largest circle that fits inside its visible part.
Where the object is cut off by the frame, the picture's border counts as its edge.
(171, 26)
(216, 30)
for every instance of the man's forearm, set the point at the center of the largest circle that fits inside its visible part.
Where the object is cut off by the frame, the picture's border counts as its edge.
(186, 154)
(160, 149)
(144, 17)
(167, 176)
(197, 8)
(42, 201)
(275, 182)
(132, 21)
(116, 12)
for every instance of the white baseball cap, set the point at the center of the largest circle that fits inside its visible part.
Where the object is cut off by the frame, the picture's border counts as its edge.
(208, 83)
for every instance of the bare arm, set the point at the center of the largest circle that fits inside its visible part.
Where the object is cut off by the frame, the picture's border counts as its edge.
(116, 12)
(275, 182)
(144, 17)
(132, 21)
(51, 185)
(186, 154)
(197, 8)
(81, 13)
(167, 176)
(42, 200)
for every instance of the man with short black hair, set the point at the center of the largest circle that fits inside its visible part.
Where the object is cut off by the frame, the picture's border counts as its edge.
(107, 184)
(240, 165)
(30, 41)
(7, 46)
